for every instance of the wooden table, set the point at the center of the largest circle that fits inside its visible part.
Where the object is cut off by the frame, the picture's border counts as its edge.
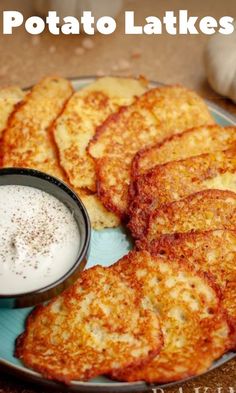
(168, 59)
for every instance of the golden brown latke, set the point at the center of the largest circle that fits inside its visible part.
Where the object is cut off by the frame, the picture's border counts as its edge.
(195, 327)
(154, 116)
(212, 252)
(199, 140)
(112, 184)
(27, 141)
(177, 179)
(98, 325)
(173, 108)
(202, 211)
(9, 97)
(86, 110)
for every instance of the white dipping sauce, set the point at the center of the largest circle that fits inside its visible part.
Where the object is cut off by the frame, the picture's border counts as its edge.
(39, 239)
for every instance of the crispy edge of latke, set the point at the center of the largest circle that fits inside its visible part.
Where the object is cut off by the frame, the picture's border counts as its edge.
(17, 106)
(20, 97)
(55, 148)
(137, 231)
(138, 157)
(102, 193)
(166, 242)
(112, 118)
(209, 193)
(21, 354)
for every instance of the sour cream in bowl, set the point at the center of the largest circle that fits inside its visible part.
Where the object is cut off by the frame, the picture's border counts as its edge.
(44, 237)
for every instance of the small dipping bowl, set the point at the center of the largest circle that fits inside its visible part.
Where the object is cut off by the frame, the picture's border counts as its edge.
(58, 189)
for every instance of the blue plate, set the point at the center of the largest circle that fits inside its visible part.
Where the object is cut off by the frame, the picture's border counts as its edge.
(12, 321)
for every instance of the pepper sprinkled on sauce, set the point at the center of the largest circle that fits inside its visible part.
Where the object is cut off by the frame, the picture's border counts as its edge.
(39, 239)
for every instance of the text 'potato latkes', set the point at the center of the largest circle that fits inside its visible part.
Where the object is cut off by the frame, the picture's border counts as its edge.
(177, 179)
(157, 114)
(195, 326)
(212, 252)
(86, 110)
(27, 141)
(9, 97)
(205, 139)
(202, 211)
(98, 325)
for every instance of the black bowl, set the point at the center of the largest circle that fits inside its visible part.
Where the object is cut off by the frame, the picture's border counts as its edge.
(51, 185)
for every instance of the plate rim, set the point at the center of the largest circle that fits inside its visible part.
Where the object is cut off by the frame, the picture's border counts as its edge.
(124, 387)
(92, 387)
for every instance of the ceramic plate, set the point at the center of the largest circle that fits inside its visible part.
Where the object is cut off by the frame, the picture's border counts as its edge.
(12, 321)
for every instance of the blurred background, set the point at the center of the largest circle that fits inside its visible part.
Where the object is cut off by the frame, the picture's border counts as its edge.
(168, 59)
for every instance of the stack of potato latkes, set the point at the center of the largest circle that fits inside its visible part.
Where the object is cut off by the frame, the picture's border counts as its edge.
(155, 161)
